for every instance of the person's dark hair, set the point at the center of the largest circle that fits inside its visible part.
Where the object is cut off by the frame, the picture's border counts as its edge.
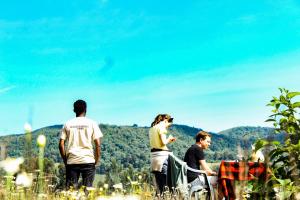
(202, 136)
(161, 117)
(79, 107)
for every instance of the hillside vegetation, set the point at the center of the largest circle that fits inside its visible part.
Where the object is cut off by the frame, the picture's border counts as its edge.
(129, 145)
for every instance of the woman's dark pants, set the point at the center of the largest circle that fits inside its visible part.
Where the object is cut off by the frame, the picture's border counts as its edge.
(161, 177)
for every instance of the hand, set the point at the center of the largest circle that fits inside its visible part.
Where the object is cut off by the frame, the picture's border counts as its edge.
(172, 139)
(65, 161)
(213, 173)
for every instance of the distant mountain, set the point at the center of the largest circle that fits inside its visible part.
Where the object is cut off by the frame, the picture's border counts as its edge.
(129, 145)
(248, 131)
(250, 134)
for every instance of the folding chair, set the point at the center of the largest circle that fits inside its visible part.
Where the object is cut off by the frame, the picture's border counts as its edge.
(177, 179)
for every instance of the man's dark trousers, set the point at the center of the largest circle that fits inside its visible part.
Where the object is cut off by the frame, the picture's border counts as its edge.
(73, 172)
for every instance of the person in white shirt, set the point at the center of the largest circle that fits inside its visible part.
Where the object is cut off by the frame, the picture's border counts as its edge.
(76, 147)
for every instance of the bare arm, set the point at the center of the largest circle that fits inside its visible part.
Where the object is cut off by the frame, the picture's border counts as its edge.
(166, 140)
(206, 168)
(62, 151)
(97, 150)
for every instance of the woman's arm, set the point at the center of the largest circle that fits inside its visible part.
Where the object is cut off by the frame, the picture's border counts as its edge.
(165, 140)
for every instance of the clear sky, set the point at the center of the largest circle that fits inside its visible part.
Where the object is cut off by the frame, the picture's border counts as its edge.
(210, 64)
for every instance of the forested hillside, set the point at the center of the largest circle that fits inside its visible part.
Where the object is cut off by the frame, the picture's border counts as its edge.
(129, 145)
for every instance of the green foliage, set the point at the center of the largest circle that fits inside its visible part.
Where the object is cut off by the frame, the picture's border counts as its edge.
(285, 189)
(284, 157)
(129, 177)
(286, 119)
(129, 145)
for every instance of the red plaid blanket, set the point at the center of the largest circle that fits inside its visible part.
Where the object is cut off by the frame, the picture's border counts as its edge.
(230, 171)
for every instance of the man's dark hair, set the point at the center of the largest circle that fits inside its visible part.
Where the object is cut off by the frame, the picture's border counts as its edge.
(202, 136)
(79, 107)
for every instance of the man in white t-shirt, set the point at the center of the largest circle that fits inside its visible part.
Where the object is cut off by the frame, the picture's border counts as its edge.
(79, 156)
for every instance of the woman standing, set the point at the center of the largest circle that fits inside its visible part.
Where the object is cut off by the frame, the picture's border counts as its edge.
(159, 150)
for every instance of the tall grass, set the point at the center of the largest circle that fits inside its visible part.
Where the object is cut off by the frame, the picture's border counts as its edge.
(19, 182)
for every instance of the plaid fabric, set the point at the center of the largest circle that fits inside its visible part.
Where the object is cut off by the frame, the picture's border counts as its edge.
(231, 171)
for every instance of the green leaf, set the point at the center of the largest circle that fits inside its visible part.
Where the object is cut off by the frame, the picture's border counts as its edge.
(283, 120)
(285, 113)
(282, 158)
(291, 129)
(283, 99)
(277, 130)
(260, 143)
(270, 120)
(284, 182)
(292, 94)
(275, 143)
(276, 152)
(281, 89)
(296, 105)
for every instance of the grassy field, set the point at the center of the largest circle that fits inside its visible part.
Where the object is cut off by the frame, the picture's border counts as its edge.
(214, 166)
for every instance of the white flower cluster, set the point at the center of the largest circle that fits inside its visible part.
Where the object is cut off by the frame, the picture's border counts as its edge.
(11, 165)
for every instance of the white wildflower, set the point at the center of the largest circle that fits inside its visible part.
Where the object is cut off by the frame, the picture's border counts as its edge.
(24, 179)
(118, 186)
(90, 188)
(132, 197)
(105, 186)
(134, 183)
(276, 189)
(41, 141)
(11, 165)
(27, 127)
(298, 196)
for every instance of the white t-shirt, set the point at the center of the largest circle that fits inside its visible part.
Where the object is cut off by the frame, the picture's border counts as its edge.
(80, 134)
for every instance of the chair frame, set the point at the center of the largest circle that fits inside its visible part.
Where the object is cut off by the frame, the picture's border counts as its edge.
(197, 189)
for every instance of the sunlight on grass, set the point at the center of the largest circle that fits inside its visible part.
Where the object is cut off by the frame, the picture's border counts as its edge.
(17, 183)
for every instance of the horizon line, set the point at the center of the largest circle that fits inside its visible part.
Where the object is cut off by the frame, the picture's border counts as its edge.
(133, 125)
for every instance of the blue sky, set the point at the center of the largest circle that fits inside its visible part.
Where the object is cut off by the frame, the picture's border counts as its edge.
(210, 64)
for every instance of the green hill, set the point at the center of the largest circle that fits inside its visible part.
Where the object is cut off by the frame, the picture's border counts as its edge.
(129, 145)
